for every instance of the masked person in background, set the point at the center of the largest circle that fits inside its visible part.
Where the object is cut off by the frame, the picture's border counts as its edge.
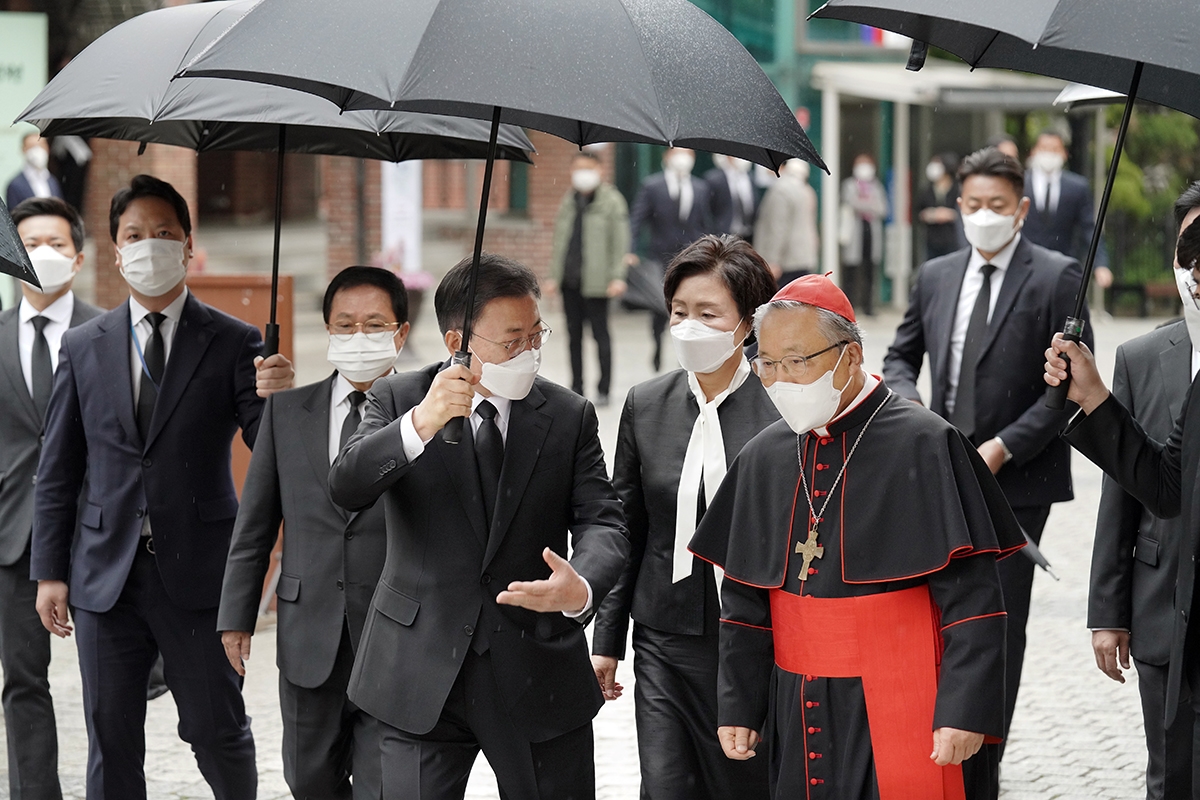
(34, 179)
(673, 208)
(735, 199)
(333, 557)
(983, 315)
(860, 231)
(677, 433)
(474, 639)
(591, 238)
(785, 234)
(937, 207)
(146, 401)
(30, 334)
(862, 635)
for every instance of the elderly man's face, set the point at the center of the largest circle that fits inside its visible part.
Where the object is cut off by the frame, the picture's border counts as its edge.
(789, 334)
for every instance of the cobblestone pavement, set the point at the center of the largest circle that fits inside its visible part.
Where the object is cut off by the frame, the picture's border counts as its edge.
(1076, 733)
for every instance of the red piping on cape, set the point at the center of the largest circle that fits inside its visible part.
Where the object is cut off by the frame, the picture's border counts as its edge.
(979, 616)
(746, 625)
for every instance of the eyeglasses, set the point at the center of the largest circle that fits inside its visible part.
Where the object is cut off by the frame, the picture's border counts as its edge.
(793, 366)
(517, 346)
(1191, 286)
(368, 327)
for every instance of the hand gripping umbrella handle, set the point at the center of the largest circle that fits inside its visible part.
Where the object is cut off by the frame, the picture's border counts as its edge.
(452, 431)
(1056, 396)
(270, 340)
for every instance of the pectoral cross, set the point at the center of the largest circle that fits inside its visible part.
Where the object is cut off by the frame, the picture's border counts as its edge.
(810, 550)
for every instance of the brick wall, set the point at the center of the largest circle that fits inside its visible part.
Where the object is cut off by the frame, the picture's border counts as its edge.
(339, 204)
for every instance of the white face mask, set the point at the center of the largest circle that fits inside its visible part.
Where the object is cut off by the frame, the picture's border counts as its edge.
(864, 171)
(1046, 161)
(805, 406)
(935, 171)
(514, 378)
(681, 163)
(796, 168)
(53, 269)
(1191, 314)
(585, 181)
(153, 266)
(363, 357)
(37, 157)
(989, 232)
(701, 349)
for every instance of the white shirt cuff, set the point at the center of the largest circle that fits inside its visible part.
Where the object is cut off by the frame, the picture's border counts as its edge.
(586, 607)
(413, 444)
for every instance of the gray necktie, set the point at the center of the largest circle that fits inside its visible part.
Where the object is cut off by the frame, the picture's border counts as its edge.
(155, 360)
(41, 369)
(350, 424)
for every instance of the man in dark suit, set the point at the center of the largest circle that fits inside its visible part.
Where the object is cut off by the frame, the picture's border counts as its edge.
(34, 180)
(30, 334)
(475, 637)
(983, 315)
(146, 401)
(673, 208)
(735, 198)
(1060, 201)
(331, 557)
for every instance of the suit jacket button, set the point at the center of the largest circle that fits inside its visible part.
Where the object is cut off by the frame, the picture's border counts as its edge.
(35, 480)
(339, 584)
(468, 630)
(146, 462)
(141, 512)
(486, 579)
(349, 535)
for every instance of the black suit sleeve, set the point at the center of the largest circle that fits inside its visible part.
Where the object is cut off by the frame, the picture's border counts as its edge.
(1110, 590)
(612, 618)
(747, 656)
(902, 364)
(639, 215)
(373, 460)
(254, 532)
(246, 400)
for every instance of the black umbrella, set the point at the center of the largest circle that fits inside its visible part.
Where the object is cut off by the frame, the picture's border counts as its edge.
(1147, 47)
(120, 87)
(658, 71)
(13, 258)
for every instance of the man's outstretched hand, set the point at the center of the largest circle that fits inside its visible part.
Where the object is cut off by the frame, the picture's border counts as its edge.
(564, 590)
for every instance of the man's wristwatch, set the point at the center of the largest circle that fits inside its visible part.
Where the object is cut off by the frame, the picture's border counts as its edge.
(1007, 453)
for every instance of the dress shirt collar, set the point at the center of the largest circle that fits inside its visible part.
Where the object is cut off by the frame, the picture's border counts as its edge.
(138, 312)
(39, 180)
(1000, 261)
(342, 388)
(59, 311)
(503, 405)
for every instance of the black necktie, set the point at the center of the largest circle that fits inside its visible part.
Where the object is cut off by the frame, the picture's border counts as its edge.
(963, 416)
(42, 371)
(489, 455)
(350, 424)
(155, 359)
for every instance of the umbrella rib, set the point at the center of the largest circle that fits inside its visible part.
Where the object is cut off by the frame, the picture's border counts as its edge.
(653, 83)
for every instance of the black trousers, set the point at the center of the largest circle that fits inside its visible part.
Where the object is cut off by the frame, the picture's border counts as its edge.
(327, 739)
(1016, 582)
(675, 692)
(116, 651)
(436, 765)
(858, 282)
(594, 311)
(28, 709)
(1173, 761)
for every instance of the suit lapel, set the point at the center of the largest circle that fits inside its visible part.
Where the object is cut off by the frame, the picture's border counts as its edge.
(526, 432)
(191, 340)
(113, 352)
(1018, 272)
(1176, 359)
(314, 428)
(10, 363)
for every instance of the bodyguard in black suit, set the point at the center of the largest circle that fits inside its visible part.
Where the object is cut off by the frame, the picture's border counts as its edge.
(474, 639)
(734, 197)
(1060, 201)
(34, 180)
(331, 557)
(30, 334)
(145, 570)
(982, 315)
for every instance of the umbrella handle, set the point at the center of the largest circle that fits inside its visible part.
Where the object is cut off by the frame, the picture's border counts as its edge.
(270, 340)
(1056, 396)
(452, 431)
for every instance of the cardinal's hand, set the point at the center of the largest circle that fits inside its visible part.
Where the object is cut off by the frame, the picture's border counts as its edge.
(954, 746)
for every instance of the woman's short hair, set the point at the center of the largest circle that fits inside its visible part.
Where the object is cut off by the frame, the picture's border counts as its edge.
(734, 261)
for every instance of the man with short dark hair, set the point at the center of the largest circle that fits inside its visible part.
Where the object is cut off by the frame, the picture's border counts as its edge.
(30, 335)
(146, 401)
(983, 315)
(332, 558)
(474, 639)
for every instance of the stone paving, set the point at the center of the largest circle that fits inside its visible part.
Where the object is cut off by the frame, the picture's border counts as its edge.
(1076, 733)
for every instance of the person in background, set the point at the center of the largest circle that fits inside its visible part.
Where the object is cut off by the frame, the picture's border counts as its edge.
(937, 207)
(677, 433)
(735, 200)
(591, 238)
(1005, 144)
(673, 208)
(785, 234)
(34, 179)
(863, 210)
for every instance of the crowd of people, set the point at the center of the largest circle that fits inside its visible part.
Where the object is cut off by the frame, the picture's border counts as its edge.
(798, 628)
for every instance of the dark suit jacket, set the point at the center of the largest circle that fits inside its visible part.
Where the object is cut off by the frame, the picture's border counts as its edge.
(19, 190)
(180, 474)
(445, 565)
(654, 210)
(1135, 556)
(656, 425)
(20, 436)
(1035, 299)
(331, 557)
(721, 202)
(1069, 228)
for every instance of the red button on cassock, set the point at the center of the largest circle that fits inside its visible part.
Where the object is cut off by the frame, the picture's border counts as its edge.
(808, 704)
(812, 730)
(812, 756)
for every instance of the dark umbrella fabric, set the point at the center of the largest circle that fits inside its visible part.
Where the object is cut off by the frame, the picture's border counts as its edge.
(13, 258)
(120, 87)
(657, 71)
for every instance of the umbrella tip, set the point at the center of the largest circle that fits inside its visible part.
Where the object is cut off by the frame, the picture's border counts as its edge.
(917, 55)
(141, 148)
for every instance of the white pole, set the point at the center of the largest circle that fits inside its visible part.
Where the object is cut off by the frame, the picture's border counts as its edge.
(831, 151)
(900, 258)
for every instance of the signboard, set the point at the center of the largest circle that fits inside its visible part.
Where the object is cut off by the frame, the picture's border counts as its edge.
(401, 212)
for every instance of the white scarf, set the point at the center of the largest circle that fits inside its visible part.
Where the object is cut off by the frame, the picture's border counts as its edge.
(705, 458)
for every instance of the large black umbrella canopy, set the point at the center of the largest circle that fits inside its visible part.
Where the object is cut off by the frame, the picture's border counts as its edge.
(13, 258)
(1145, 49)
(658, 71)
(121, 87)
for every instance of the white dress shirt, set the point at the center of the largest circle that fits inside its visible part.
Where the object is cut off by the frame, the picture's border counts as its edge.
(741, 192)
(59, 313)
(1040, 182)
(972, 283)
(142, 329)
(680, 189)
(339, 409)
(39, 181)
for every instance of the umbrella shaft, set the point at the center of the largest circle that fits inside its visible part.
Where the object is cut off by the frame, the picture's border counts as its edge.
(483, 206)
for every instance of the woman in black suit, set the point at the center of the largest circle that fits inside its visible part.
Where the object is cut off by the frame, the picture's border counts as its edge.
(678, 433)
